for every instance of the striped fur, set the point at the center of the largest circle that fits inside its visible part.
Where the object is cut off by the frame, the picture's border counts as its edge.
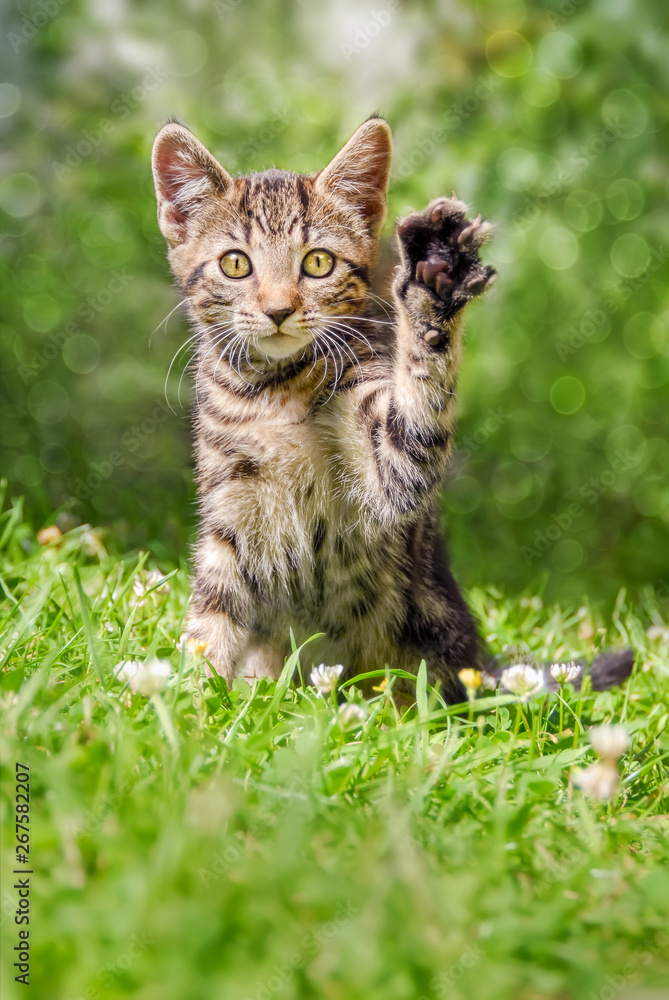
(322, 442)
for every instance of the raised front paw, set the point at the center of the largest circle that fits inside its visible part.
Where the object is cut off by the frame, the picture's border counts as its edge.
(441, 248)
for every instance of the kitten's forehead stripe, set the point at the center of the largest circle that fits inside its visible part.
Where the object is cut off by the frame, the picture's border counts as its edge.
(302, 193)
(257, 219)
(268, 200)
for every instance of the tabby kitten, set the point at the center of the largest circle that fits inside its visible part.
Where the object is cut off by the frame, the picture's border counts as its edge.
(322, 431)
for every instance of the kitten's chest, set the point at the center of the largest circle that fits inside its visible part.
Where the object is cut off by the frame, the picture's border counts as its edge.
(275, 486)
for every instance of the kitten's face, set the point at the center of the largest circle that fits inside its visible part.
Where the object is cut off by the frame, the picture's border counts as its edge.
(274, 261)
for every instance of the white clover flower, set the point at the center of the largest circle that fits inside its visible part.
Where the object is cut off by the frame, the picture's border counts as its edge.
(144, 582)
(152, 678)
(564, 673)
(488, 682)
(153, 577)
(126, 670)
(522, 680)
(600, 780)
(91, 539)
(654, 632)
(352, 714)
(325, 678)
(610, 742)
(145, 678)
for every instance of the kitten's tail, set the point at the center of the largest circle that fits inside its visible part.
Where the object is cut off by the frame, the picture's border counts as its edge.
(606, 671)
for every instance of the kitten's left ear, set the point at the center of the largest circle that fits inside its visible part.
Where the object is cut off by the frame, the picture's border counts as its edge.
(359, 172)
(185, 175)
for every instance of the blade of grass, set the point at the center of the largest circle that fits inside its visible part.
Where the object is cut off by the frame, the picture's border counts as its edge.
(88, 628)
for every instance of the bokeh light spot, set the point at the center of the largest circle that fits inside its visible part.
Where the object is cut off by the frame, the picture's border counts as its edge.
(81, 354)
(523, 508)
(559, 54)
(660, 333)
(463, 494)
(517, 490)
(10, 98)
(567, 394)
(494, 16)
(583, 210)
(630, 255)
(54, 458)
(604, 535)
(188, 51)
(558, 248)
(542, 88)
(517, 168)
(41, 312)
(624, 199)
(651, 499)
(28, 470)
(19, 194)
(623, 110)
(654, 374)
(625, 443)
(638, 336)
(511, 482)
(100, 229)
(508, 53)
(530, 443)
(656, 461)
(48, 402)
(567, 555)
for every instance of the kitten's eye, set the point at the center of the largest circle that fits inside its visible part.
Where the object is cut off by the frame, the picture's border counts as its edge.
(236, 264)
(318, 263)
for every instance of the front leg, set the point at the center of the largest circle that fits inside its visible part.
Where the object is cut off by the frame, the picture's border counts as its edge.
(440, 272)
(221, 613)
(407, 419)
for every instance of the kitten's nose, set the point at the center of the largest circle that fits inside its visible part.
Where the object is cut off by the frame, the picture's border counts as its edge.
(278, 315)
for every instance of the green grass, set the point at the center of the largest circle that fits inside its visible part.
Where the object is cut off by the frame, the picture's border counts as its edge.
(245, 844)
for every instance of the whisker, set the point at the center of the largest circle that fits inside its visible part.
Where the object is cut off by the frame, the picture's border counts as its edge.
(248, 357)
(346, 349)
(360, 319)
(227, 348)
(323, 345)
(344, 329)
(174, 358)
(203, 359)
(336, 344)
(317, 351)
(385, 305)
(164, 321)
(340, 332)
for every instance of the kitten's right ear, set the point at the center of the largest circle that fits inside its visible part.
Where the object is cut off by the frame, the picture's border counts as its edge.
(185, 175)
(359, 172)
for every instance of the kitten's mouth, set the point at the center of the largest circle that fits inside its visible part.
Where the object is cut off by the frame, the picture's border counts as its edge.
(280, 344)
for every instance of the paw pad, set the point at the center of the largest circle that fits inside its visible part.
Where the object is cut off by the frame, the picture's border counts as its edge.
(441, 246)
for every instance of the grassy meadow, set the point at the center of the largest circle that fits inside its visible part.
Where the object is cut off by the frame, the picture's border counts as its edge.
(198, 842)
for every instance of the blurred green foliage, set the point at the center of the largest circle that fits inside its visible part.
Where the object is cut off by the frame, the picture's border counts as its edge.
(548, 118)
